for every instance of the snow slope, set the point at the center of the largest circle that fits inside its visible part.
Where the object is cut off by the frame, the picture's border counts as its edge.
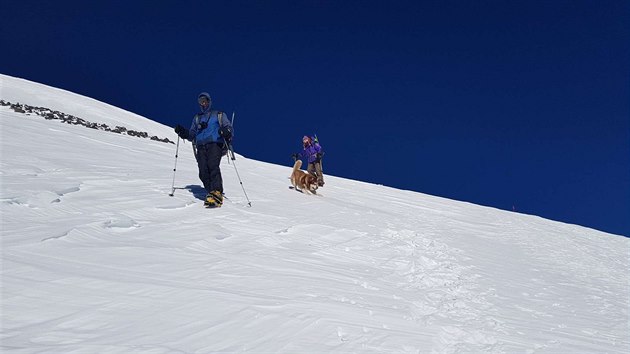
(97, 258)
(16, 90)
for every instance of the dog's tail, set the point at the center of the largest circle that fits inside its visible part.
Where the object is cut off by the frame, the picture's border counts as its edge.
(297, 165)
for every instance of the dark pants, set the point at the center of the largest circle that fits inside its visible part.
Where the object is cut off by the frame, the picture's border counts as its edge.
(208, 161)
(315, 168)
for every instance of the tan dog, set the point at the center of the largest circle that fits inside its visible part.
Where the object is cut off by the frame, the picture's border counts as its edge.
(301, 180)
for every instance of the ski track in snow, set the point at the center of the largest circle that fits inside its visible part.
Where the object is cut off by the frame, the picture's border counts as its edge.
(96, 257)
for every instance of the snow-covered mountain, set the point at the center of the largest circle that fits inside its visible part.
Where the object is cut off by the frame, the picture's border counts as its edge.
(97, 257)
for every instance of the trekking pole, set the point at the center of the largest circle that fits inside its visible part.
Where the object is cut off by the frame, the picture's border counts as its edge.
(175, 168)
(230, 149)
(232, 123)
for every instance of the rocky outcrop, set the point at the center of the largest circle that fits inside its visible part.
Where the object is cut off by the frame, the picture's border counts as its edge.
(49, 114)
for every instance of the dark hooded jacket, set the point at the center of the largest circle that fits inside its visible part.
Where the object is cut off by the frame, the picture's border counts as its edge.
(206, 125)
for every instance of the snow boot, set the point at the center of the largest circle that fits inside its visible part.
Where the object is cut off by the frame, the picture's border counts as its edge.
(217, 197)
(211, 201)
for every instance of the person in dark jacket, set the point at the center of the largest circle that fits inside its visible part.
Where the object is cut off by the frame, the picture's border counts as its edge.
(210, 131)
(313, 152)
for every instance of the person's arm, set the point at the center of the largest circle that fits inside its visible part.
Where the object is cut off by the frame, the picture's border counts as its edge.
(225, 128)
(192, 132)
(319, 152)
(187, 134)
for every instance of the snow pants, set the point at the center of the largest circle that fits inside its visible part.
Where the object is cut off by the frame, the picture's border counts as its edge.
(315, 168)
(209, 161)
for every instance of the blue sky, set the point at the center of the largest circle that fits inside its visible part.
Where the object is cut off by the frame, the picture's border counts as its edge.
(519, 105)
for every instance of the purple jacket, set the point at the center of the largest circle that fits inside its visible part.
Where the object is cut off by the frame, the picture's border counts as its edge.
(310, 152)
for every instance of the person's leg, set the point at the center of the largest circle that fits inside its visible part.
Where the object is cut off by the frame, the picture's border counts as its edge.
(215, 153)
(204, 171)
(311, 169)
(319, 173)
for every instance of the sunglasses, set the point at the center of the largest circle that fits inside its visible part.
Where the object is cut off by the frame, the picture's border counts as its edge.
(203, 100)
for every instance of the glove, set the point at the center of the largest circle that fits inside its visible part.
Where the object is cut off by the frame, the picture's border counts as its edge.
(319, 155)
(203, 125)
(181, 131)
(226, 133)
(294, 156)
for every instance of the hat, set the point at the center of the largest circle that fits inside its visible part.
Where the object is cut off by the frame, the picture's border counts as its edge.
(204, 95)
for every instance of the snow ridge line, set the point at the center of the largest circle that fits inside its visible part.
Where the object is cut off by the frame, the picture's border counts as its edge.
(49, 114)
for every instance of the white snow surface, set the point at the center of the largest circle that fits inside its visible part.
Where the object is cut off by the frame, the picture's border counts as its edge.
(98, 258)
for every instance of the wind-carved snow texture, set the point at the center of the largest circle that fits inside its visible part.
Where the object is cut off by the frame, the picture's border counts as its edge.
(97, 257)
(436, 287)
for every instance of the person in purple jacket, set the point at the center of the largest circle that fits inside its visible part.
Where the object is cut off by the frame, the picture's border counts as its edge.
(313, 153)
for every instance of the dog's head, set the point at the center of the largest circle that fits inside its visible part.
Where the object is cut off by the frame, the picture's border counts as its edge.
(310, 182)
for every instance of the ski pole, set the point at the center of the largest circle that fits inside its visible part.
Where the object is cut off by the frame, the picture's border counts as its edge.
(232, 123)
(230, 149)
(175, 168)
